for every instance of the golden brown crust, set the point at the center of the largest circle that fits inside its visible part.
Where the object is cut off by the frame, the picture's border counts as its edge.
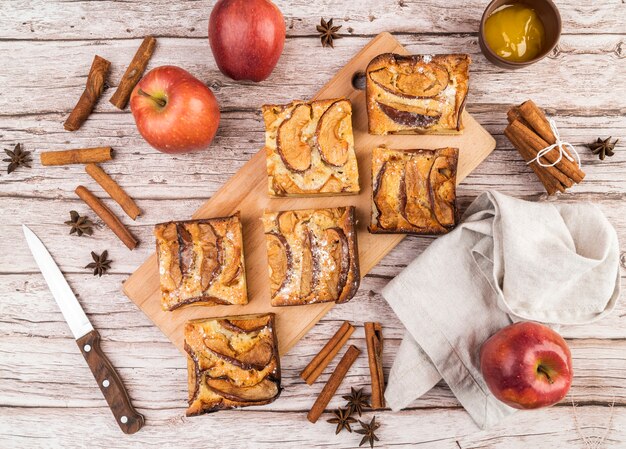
(201, 262)
(310, 148)
(232, 362)
(414, 191)
(419, 94)
(312, 256)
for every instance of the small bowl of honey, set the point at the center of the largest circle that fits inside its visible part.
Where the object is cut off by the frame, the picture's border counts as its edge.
(514, 34)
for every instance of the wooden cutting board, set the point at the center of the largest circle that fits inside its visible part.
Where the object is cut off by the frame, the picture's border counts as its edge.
(246, 191)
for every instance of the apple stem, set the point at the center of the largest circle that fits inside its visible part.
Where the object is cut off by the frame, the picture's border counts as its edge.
(542, 370)
(158, 101)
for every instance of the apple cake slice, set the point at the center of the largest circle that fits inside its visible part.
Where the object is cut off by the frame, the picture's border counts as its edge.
(201, 262)
(310, 148)
(312, 256)
(414, 191)
(232, 362)
(420, 94)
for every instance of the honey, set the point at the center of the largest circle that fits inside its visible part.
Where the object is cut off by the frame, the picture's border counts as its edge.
(515, 32)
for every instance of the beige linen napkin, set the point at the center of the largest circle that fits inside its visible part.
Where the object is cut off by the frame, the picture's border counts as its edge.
(509, 260)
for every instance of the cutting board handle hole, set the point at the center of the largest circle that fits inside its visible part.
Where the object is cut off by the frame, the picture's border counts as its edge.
(358, 80)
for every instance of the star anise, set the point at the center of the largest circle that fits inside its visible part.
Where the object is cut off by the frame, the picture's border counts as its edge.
(328, 33)
(603, 147)
(342, 419)
(357, 401)
(368, 432)
(17, 158)
(100, 264)
(80, 225)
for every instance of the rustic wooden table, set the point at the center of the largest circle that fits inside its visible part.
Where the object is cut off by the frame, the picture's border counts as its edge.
(47, 395)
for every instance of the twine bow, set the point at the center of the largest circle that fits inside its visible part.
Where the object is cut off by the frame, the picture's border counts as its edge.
(558, 144)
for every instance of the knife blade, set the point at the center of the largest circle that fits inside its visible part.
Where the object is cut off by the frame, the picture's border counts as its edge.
(87, 338)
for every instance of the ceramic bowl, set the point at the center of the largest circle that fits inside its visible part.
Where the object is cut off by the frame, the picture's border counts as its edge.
(549, 15)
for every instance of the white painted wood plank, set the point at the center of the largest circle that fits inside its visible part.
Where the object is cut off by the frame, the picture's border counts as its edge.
(578, 62)
(58, 377)
(434, 428)
(110, 19)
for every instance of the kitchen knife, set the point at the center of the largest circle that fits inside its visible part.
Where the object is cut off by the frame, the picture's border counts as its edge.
(87, 338)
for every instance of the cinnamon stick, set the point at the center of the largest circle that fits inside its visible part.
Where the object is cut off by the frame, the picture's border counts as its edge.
(374, 340)
(550, 183)
(333, 383)
(537, 120)
(312, 371)
(133, 73)
(77, 156)
(514, 114)
(114, 190)
(567, 167)
(89, 98)
(107, 216)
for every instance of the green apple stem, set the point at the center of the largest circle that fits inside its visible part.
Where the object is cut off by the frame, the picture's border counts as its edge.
(161, 102)
(542, 370)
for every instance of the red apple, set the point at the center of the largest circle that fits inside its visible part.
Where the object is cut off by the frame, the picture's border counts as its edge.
(246, 37)
(527, 365)
(174, 111)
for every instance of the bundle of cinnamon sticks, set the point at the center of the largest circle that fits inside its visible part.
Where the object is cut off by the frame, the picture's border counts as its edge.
(529, 131)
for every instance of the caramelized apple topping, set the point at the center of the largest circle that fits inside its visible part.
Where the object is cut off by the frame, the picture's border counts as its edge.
(211, 255)
(412, 80)
(443, 191)
(232, 261)
(332, 133)
(337, 246)
(245, 325)
(262, 391)
(388, 196)
(291, 143)
(287, 221)
(171, 274)
(408, 118)
(417, 207)
(279, 259)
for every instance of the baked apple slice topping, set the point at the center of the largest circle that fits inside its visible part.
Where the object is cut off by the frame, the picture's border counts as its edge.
(306, 276)
(263, 391)
(388, 194)
(408, 118)
(416, 210)
(337, 246)
(241, 326)
(259, 356)
(256, 358)
(185, 248)
(415, 80)
(167, 238)
(442, 191)
(280, 262)
(332, 133)
(211, 255)
(291, 143)
(287, 221)
(232, 261)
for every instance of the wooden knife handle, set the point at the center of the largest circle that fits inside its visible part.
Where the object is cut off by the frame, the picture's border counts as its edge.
(110, 383)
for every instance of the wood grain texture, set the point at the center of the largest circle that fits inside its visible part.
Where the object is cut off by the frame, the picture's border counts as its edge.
(246, 192)
(47, 395)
